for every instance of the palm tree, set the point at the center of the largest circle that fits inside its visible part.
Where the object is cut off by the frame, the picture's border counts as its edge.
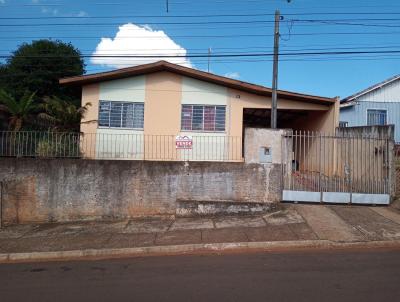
(62, 115)
(19, 111)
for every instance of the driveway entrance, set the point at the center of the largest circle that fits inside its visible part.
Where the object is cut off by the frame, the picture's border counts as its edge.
(324, 168)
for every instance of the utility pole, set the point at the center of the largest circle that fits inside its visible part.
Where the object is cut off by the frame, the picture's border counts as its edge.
(274, 103)
(209, 55)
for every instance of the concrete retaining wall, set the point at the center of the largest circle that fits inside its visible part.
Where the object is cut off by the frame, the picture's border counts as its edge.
(39, 190)
(386, 131)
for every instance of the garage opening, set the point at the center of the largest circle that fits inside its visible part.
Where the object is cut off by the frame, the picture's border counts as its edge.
(287, 118)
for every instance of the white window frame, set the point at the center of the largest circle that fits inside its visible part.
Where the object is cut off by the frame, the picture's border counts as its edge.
(109, 117)
(204, 131)
(381, 109)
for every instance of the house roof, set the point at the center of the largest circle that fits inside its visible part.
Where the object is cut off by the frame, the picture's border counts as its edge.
(193, 73)
(370, 89)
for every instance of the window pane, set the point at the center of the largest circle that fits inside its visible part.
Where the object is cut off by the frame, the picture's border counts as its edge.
(220, 118)
(104, 113)
(115, 116)
(209, 118)
(197, 123)
(138, 116)
(186, 117)
(376, 117)
(127, 115)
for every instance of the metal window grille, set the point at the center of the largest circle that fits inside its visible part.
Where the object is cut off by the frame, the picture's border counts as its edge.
(121, 115)
(376, 117)
(203, 118)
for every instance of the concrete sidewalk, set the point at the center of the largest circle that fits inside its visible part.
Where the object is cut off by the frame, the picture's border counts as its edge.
(295, 225)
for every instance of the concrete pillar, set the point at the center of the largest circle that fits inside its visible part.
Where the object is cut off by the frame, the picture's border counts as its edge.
(264, 146)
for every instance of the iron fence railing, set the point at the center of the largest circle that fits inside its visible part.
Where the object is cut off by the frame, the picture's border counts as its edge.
(138, 146)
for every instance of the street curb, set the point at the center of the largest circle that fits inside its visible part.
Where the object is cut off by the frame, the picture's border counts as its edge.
(189, 248)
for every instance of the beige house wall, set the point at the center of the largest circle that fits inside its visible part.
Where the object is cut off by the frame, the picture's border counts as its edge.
(162, 115)
(162, 104)
(90, 94)
(325, 123)
(326, 116)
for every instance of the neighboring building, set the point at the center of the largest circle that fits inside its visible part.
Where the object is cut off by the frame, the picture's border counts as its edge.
(138, 112)
(376, 105)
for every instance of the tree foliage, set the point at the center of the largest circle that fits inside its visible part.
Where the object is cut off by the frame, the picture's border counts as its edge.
(61, 115)
(37, 67)
(19, 111)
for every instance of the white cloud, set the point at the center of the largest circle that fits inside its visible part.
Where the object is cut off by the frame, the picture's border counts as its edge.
(232, 75)
(132, 39)
(2, 1)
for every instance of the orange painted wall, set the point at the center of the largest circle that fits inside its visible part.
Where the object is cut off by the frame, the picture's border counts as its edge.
(162, 103)
(162, 115)
(90, 94)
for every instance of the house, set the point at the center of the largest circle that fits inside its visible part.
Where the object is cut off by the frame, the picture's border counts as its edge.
(376, 105)
(163, 111)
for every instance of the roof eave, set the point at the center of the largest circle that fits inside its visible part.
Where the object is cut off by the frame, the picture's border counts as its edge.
(370, 89)
(200, 75)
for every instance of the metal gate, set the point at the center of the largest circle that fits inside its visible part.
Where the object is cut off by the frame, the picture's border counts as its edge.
(326, 168)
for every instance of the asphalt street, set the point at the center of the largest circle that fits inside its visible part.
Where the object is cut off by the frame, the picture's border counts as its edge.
(352, 275)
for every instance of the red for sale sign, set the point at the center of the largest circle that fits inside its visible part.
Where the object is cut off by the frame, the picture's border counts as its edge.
(183, 142)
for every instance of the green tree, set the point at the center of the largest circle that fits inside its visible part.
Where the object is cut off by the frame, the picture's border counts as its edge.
(61, 115)
(20, 112)
(37, 67)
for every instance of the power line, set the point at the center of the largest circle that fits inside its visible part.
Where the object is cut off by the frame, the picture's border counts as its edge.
(138, 16)
(203, 36)
(219, 55)
(197, 16)
(297, 47)
(203, 22)
(147, 23)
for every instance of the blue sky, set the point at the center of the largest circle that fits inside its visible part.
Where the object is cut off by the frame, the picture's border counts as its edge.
(308, 26)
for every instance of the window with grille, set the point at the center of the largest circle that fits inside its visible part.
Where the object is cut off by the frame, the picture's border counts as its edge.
(121, 115)
(203, 118)
(343, 124)
(376, 117)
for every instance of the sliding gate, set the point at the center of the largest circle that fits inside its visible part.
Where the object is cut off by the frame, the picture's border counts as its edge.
(335, 168)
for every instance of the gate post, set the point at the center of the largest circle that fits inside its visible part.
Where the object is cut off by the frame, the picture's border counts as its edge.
(320, 167)
(391, 166)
